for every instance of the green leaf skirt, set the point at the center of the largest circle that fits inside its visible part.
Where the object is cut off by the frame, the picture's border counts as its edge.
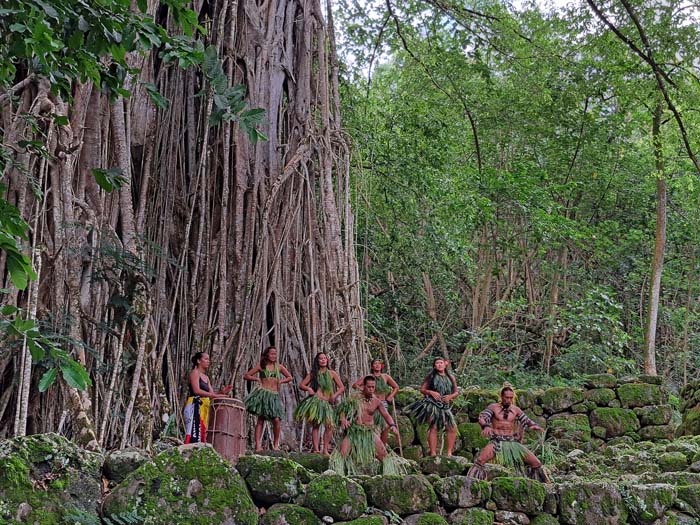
(427, 410)
(316, 411)
(264, 403)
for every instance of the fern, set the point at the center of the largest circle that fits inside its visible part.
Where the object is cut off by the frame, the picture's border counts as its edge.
(124, 518)
(76, 516)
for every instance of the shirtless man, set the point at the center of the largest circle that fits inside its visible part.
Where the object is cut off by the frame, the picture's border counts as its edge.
(363, 423)
(498, 423)
(385, 391)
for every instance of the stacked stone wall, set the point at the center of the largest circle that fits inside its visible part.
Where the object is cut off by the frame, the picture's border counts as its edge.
(690, 410)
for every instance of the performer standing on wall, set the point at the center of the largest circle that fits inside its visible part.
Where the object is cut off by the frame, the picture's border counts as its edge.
(385, 391)
(196, 410)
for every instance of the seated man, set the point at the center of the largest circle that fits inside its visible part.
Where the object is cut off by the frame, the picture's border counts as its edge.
(498, 423)
(361, 442)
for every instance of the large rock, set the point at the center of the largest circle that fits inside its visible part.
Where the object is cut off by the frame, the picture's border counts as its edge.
(654, 415)
(588, 503)
(189, 484)
(601, 381)
(518, 494)
(691, 422)
(474, 516)
(314, 462)
(569, 426)
(336, 496)
(367, 520)
(407, 433)
(600, 396)
(639, 394)
(475, 401)
(672, 461)
(461, 491)
(407, 395)
(288, 514)
(45, 477)
(425, 518)
(472, 439)
(558, 399)
(507, 517)
(544, 519)
(444, 465)
(615, 421)
(690, 494)
(402, 495)
(273, 479)
(528, 399)
(120, 463)
(657, 433)
(648, 503)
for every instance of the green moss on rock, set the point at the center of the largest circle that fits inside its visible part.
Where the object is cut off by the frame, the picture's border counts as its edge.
(472, 439)
(444, 465)
(477, 400)
(406, 396)
(673, 461)
(425, 518)
(44, 476)
(544, 519)
(657, 433)
(616, 421)
(288, 514)
(654, 415)
(414, 452)
(273, 479)
(600, 396)
(461, 491)
(690, 494)
(518, 494)
(314, 462)
(586, 503)
(474, 516)
(558, 399)
(401, 494)
(601, 381)
(406, 430)
(366, 520)
(634, 395)
(336, 496)
(189, 484)
(569, 426)
(647, 503)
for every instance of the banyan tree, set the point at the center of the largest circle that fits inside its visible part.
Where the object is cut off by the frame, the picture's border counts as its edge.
(216, 242)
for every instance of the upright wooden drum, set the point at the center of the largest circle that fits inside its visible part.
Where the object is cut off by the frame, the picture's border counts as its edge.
(227, 429)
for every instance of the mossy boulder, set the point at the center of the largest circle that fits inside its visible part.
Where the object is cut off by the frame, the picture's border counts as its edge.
(273, 479)
(444, 465)
(473, 516)
(366, 520)
(414, 452)
(652, 380)
(691, 422)
(471, 436)
(189, 484)
(657, 433)
(647, 503)
(600, 396)
(314, 462)
(477, 400)
(401, 494)
(544, 519)
(425, 518)
(583, 407)
(587, 503)
(518, 494)
(336, 496)
(654, 415)
(690, 494)
(569, 426)
(528, 399)
(407, 395)
(673, 461)
(559, 399)
(289, 514)
(406, 430)
(461, 491)
(634, 395)
(508, 517)
(616, 421)
(601, 381)
(120, 463)
(44, 477)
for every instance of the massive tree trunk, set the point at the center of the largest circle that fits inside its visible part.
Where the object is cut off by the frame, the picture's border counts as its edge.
(232, 246)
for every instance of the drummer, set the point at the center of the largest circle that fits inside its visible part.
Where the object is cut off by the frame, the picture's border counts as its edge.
(200, 395)
(264, 401)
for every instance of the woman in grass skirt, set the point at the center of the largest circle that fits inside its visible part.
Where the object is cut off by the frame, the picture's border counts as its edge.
(264, 400)
(439, 388)
(325, 388)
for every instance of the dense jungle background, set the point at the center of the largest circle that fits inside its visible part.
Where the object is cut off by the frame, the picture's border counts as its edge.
(513, 186)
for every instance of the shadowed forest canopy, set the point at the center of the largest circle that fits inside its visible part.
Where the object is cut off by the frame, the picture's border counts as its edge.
(511, 186)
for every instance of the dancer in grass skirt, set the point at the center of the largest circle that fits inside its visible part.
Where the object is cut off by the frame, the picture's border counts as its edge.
(439, 388)
(264, 400)
(361, 443)
(386, 391)
(196, 411)
(499, 423)
(325, 388)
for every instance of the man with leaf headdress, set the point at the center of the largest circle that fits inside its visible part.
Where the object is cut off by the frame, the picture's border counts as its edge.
(500, 423)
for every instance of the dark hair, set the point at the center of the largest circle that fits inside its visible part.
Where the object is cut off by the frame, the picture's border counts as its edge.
(263, 356)
(377, 359)
(315, 367)
(506, 389)
(369, 378)
(195, 358)
(431, 375)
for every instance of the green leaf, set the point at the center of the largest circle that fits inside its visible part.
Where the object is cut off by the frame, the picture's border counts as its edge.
(143, 5)
(75, 375)
(109, 179)
(9, 310)
(36, 350)
(158, 99)
(47, 379)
